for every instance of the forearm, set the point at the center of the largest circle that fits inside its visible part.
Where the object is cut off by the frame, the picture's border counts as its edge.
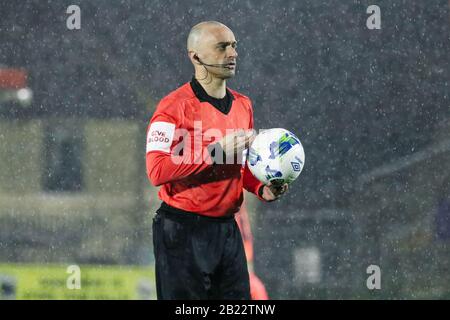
(163, 167)
(251, 184)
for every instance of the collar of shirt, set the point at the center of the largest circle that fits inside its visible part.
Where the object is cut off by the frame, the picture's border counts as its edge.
(223, 105)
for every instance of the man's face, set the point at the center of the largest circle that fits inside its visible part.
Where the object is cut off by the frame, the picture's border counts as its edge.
(219, 47)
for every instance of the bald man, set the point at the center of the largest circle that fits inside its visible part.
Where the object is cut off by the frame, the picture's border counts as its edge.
(195, 152)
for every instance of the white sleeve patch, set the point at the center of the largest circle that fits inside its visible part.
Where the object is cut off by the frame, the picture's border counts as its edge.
(160, 136)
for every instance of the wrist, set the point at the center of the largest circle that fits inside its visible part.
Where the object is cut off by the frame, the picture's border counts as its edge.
(261, 191)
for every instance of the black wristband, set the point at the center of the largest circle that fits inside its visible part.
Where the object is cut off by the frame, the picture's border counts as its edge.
(212, 151)
(261, 191)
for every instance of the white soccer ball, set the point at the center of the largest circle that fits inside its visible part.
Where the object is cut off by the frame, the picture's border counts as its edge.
(277, 156)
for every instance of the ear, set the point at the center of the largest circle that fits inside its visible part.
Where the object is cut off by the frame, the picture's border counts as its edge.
(194, 57)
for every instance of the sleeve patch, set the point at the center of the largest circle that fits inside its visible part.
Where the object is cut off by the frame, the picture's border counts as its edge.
(160, 136)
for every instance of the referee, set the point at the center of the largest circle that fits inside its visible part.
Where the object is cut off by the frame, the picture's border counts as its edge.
(195, 144)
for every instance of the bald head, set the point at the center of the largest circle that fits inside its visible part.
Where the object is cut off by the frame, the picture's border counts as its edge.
(211, 47)
(200, 32)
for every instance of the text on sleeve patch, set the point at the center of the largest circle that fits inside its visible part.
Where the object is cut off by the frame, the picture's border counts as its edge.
(160, 136)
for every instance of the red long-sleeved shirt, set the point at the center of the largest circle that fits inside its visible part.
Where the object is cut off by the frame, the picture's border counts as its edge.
(188, 179)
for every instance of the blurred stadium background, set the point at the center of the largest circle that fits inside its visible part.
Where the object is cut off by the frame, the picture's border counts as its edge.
(371, 107)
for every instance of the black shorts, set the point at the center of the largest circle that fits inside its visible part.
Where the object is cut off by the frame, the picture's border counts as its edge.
(198, 257)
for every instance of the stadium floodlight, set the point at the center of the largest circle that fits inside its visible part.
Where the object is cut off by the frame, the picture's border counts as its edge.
(24, 95)
(13, 86)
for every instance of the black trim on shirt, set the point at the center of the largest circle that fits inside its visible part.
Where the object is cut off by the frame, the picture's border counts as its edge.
(223, 105)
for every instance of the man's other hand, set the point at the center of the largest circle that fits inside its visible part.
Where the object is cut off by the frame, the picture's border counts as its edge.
(236, 142)
(271, 192)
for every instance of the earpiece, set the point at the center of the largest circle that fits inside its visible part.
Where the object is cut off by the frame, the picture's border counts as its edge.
(224, 65)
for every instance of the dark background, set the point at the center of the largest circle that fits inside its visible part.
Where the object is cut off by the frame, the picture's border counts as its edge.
(356, 98)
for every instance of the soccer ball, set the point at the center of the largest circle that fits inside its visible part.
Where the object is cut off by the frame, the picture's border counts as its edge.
(277, 156)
